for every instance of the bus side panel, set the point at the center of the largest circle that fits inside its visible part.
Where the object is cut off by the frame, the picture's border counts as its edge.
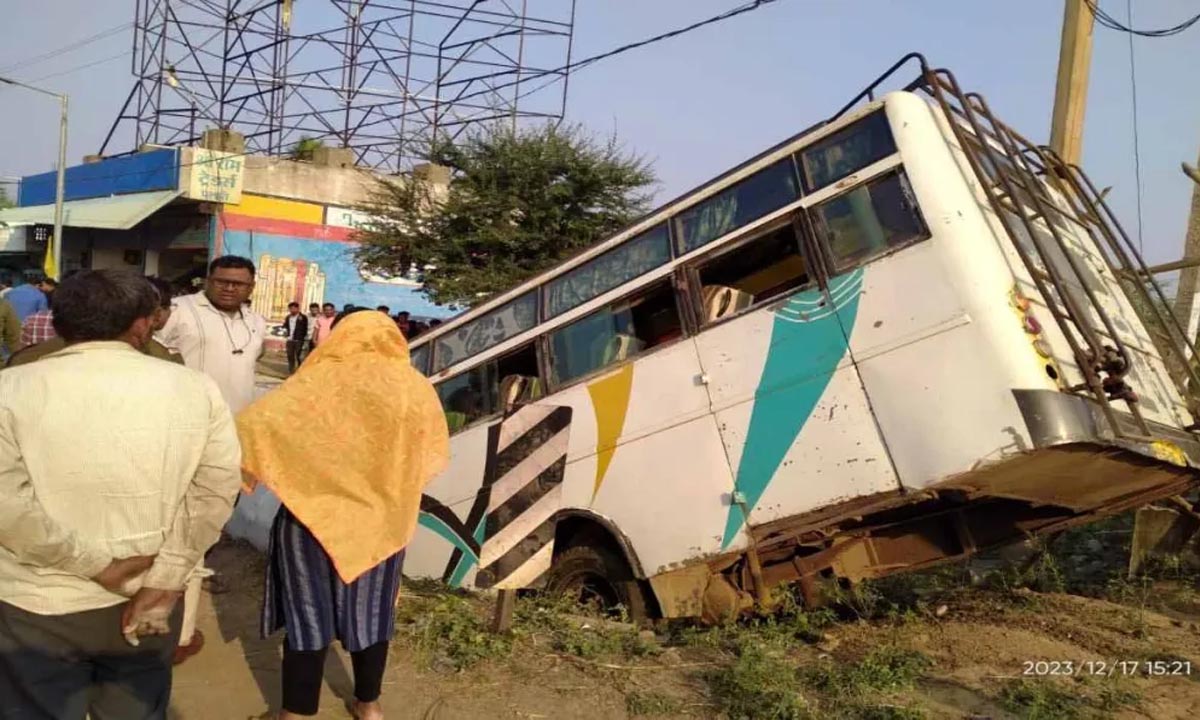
(442, 526)
(791, 411)
(669, 494)
(645, 454)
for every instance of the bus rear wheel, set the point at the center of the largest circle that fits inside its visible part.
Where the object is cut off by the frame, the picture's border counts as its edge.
(597, 576)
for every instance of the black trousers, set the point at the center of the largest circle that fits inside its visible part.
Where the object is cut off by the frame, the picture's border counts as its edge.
(67, 667)
(303, 671)
(294, 350)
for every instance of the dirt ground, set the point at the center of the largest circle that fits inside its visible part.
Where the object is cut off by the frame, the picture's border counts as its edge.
(974, 645)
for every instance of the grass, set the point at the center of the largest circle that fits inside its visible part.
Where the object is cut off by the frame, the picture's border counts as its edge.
(1082, 699)
(650, 704)
(760, 684)
(1041, 700)
(888, 668)
(450, 632)
(762, 667)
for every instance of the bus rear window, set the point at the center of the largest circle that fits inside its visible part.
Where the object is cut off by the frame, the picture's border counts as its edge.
(847, 151)
(870, 220)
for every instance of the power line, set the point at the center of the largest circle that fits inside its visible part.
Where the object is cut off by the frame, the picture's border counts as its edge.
(1112, 23)
(77, 68)
(739, 10)
(67, 48)
(1137, 154)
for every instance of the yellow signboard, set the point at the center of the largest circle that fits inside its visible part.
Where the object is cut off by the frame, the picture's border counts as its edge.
(216, 176)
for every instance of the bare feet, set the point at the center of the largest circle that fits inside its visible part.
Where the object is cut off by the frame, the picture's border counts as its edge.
(367, 711)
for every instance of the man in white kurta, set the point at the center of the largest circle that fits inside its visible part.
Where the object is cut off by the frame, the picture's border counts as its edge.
(114, 466)
(216, 334)
(219, 336)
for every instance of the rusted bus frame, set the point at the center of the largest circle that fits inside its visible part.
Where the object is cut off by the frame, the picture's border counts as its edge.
(928, 528)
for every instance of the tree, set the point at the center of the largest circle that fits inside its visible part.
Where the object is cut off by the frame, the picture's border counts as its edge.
(304, 148)
(517, 203)
(5, 201)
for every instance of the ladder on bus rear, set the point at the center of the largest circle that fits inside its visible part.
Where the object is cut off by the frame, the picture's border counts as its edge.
(1018, 196)
(1099, 352)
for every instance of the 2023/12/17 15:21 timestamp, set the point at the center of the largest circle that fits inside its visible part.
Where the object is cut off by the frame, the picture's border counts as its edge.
(1120, 668)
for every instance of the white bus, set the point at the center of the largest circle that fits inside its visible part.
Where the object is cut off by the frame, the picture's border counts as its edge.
(894, 339)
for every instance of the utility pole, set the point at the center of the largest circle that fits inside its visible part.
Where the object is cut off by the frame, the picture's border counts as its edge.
(60, 184)
(1189, 277)
(1070, 94)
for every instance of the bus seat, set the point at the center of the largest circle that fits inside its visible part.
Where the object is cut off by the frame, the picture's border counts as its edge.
(456, 421)
(721, 302)
(621, 347)
(519, 389)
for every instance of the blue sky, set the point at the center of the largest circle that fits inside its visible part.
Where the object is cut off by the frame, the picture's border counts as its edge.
(697, 104)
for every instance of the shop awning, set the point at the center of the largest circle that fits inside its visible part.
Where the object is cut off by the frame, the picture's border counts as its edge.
(116, 212)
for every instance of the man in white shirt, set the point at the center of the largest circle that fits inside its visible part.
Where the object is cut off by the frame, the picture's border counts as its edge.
(117, 472)
(219, 336)
(216, 334)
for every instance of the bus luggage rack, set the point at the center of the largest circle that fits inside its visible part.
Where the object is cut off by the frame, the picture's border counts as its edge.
(1016, 176)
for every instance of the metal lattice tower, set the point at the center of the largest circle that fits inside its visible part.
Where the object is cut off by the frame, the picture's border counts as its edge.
(382, 77)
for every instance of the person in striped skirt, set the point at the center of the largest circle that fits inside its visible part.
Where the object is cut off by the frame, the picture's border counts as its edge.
(349, 500)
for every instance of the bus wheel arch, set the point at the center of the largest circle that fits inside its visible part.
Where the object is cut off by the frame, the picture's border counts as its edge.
(594, 560)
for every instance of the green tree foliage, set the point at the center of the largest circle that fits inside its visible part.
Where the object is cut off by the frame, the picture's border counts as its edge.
(5, 200)
(518, 202)
(304, 148)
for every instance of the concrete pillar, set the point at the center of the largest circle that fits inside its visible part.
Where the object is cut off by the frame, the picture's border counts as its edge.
(229, 141)
(333, 157)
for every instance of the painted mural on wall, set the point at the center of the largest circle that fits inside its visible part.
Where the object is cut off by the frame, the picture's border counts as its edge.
(332, 261)
(283, 280)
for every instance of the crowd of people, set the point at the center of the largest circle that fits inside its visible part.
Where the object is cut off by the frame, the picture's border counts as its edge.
(128, 424)
(304, 332)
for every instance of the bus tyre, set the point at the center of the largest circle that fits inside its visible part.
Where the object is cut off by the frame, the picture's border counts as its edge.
(598, 575)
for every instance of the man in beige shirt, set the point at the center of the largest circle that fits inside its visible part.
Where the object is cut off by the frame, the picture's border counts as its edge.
(117, 472)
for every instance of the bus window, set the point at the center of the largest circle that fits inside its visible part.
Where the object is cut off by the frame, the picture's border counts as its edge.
(466, 397)
(420, 358)
(763, 192)
(487, 331)
(476, 393)
(517, 373)
(751, 272)
(615, 333)
(870, 220)
(847, 151)
(616, 267)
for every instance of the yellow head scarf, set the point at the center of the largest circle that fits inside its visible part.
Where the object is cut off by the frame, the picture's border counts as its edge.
(349, 442)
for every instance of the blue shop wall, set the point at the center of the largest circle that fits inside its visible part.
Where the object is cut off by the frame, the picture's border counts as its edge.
(140, 172)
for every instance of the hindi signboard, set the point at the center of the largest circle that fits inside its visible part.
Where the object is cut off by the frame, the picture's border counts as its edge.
(216, 176)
